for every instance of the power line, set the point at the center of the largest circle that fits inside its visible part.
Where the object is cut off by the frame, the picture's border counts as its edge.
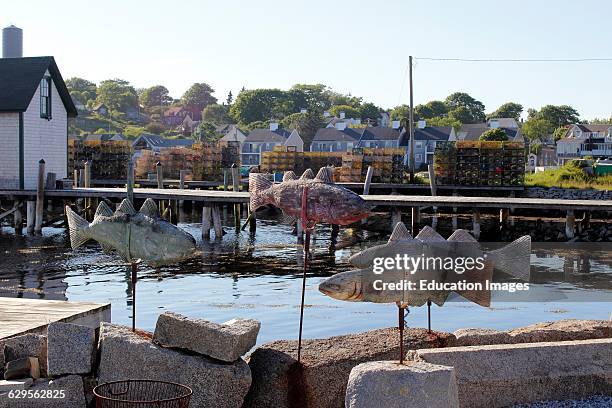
(515, 59)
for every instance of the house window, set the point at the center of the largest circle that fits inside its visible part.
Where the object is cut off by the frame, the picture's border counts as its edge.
(418, 145)
(45, 98)
(418, 157)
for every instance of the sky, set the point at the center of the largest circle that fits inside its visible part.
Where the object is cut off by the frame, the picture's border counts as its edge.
(357, 47)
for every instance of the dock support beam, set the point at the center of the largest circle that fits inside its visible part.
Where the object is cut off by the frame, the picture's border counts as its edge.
(18, 219)
(160, 184)
(570, 224)
(87, 184)
(236, 188)
(415, 220)
(476, 224)
(206, 222)
(216, 217)
(40, 197)
(396, 216)
(455, 221)
(182, 177)
(30, 216)
(504, 213)
(434, 192)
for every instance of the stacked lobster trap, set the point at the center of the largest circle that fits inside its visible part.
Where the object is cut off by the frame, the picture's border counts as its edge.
(479, 163)
(108, 159)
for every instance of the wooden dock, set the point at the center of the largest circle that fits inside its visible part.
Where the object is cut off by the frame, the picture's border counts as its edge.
(20, 316)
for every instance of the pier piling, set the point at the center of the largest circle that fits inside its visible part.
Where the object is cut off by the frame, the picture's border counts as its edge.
(476, 224)
(236, 188)
(216, 218)
(30, 216)
(18, 218)
(206, 222)
(40, 197)
(570, 224)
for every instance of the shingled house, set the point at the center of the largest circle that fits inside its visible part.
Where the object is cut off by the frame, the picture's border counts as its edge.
(34, 109)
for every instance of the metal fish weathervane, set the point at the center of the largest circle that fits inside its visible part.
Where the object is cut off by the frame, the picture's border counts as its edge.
(327, 202)
(356, 285)
(133, 234)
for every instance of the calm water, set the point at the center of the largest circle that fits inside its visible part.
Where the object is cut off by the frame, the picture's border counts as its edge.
(260, 278)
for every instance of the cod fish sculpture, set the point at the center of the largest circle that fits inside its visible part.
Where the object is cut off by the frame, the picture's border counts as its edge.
(133, 234)
(356, 285)
(327, 202)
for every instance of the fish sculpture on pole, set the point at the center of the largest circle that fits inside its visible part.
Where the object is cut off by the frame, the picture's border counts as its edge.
(357, 285)
(311, 200)
(133, 234)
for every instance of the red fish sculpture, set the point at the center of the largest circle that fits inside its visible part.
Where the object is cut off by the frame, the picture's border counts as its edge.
(327, 202)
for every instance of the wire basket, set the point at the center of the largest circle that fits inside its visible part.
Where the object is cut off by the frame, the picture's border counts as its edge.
(142, 393)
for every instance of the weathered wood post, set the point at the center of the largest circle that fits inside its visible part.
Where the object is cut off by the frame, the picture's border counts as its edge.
(18, 218)
(30, 216)
(476, 223)
(40, 197)
(415, 220)
(434, 192)
(226, 173)
(50, 185)
(504, 213)
(182, 178)
(75, 178)
(396, 216)
(206, 222)
(130, 181)
(368, 181)
(87, 184)
(454, 220)
(160, 185)
(585, 224)
(570, 224)
(236, 188)
(216, 217)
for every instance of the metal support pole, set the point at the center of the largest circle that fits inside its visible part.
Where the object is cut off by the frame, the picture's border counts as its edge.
(400, 326)
(428, 316)
(304, 222)
(134, 268)
(40, 197)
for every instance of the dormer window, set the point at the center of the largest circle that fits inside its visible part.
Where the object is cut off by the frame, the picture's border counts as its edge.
(45, 98)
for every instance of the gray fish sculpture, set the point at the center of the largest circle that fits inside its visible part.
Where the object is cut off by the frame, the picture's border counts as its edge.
(355, 285)
(133, 234)
(327, 202)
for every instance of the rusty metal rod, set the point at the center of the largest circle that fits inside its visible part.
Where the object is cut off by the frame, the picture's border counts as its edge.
(304, 221)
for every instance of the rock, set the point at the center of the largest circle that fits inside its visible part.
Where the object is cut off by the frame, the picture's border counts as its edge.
(126, 355)
(326, 365)
(22, 368)
(71, 349)
(391, 385)
(27, 345)
(65, 392)
(479, 337)
(508, 374)
(7, 385)
(568, 329)
(225, 342)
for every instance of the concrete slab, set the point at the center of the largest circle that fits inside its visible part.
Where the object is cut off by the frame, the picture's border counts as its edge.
(21, 316)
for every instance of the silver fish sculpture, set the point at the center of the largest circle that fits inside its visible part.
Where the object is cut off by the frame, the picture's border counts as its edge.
(327, 202)
(356, 285)
(133, 234)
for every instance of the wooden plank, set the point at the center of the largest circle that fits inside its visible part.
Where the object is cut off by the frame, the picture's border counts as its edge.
(19, 316)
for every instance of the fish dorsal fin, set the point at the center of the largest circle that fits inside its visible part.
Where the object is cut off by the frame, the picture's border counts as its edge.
(307, 175)
(429, 234)
(325, 175)
(462, 235)
(400, 233)
(126, 207)
(103, 210)
(289, 175)
(149, 208)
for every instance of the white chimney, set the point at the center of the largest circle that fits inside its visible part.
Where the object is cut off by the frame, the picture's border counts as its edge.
(395, 124)
(421, 124)
(273, 126)
(340, 125)
(342, 115)
(326, 114)
(12, 42)
(303, 110)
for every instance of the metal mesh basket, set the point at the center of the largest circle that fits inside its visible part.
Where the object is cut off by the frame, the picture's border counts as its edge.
(142, 393)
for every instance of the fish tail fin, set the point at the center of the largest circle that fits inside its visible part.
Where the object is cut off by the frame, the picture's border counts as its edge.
(258, 184)
(77, 227)
(514, 258)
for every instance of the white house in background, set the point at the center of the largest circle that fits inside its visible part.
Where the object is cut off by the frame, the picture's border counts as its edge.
(583, 140)
(338, 138)
(34, 109)
(264, 140)
(510, 123)
(231, 134)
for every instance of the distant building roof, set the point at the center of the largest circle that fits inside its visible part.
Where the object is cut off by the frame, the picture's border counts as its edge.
(102, 137)
(435, 133)
(475, 130)
(380, 133)
(173, 111)
(267, 135)
(504, 122)
(161, 142)
(586, 127)
(332, 134)
(20, 79)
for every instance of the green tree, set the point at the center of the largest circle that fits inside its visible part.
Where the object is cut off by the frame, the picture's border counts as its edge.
(461, 115)
(315, 96)
(117, 94)
(155, 128)
(496, 134)
(444, 121)
(401, 113)
(254, 105)
(81, 89)
(217, 114)
(259, 124)
(537, 128)
(558, 115)
(508, 110)
(132, 132)
(230, 98)
(473, 110)
(199, 95)
(349, 111)
(206, 132)
(336, 98)
(306, 124)
(369, 112)
(157, 95)
(432, 109)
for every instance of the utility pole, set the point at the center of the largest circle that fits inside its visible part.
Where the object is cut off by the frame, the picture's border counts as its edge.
(411, 123)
